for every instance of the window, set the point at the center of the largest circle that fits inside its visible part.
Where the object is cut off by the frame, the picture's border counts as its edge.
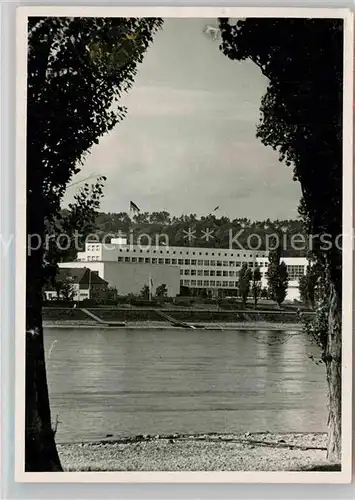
(207, 262)
(219, 263)
(187, 262)
(225, 254)
(140, 251)
(231, 273)
(225, 273)
(238, 264)
(180, 262)
(199, 283)
(141, 259)
(174, 252)
(218, 283)
(225, 283)
(186, 282)
(219, 273)
(120, 259)
(231, 284)
(154, 261)
(127, 250)
(167, 261)
(134, 259)
(187, 272)
(181, 271)
(200, 253)
(147, 260)
(193, 262)
(295, 272)
(193, 283)
(127, 259)
(173, 261)
(212, 254)
(121, 250)
(200, 262)
(206, 283)
(193, 253)
(213, 273)
(231, 263)
(161, 261)
(212, 283)
(206, 273)
(193, 272)
(225, 263)
(212, 262)
(251, 264)
(161, 251)
(199, 272)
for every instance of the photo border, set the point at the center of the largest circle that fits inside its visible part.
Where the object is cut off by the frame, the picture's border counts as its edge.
(20, 249)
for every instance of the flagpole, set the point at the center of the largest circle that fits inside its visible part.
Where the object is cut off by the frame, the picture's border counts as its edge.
(150, 287)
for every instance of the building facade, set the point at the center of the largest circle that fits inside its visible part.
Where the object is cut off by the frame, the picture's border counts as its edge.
(214, 271)
(131, 278)
(208, 269)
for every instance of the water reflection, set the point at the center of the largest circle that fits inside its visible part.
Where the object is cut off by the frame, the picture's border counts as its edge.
(126, 382)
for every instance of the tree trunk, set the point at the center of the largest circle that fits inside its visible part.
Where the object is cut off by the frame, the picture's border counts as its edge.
(333, 367)
(40, 450)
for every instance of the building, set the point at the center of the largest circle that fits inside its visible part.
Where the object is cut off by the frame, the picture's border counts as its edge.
(131, 278)
(200, 269)
(77, 284)
(214, 271)
(296, 268)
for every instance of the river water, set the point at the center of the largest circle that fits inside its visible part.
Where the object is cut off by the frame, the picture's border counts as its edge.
(128, 382)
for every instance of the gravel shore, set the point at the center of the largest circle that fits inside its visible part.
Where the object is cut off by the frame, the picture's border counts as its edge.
(213, 452)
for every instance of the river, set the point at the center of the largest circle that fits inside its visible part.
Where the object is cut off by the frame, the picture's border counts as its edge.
(127, 382)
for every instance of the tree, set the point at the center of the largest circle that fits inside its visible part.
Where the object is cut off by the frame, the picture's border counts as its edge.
(78, 69)
(277, 277)
(161, 291)
(65, 289)
(303, 62)
(256, 285)
(245, 277)
(145, 292)
(308, 285)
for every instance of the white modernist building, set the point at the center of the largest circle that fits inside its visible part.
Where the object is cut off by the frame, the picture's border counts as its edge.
(128, 267)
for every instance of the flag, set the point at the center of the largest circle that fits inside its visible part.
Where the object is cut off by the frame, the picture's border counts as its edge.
(133, 207)
(217, 207)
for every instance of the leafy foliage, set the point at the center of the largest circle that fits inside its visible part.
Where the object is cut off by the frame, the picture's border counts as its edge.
(78, 69)
(256, 285)
(223, 230)
(145, 292)
(303, 62)
(161, 291)
(277, 277)
(301, 118)
(245, 276)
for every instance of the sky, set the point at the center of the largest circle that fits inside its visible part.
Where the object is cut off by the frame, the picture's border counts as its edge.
(188, 141)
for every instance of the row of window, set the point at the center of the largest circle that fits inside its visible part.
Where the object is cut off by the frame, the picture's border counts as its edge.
(183, 262)
(208, 283)
(206, 272)
(219, 254)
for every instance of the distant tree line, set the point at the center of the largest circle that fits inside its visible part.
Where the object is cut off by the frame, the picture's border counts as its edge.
(249, 234)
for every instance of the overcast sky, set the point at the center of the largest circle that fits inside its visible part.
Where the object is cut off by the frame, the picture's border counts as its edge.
(188, 142)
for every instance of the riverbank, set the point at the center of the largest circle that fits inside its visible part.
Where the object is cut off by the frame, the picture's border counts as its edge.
(212, 452)
(161, 325)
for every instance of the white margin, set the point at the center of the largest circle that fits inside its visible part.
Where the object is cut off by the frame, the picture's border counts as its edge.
(20, 250)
